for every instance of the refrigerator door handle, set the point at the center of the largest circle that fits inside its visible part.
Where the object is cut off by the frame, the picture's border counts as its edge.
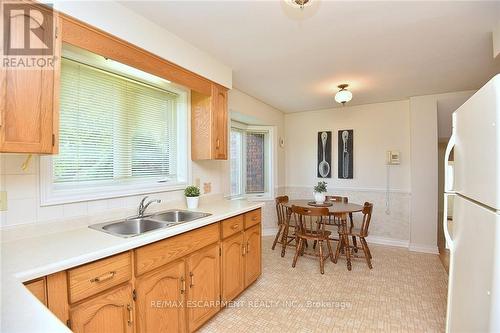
(449, 148)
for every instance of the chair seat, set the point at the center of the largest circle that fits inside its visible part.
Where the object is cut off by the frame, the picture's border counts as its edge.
(354, 232)
(314, 235)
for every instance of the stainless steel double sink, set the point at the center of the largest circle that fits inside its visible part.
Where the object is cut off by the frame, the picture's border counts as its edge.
(140, 225)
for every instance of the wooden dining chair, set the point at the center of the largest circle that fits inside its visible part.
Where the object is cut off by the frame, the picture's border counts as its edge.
(311, 227)
(283, 225)
(335, 220)
(336, 198)
(361, 233)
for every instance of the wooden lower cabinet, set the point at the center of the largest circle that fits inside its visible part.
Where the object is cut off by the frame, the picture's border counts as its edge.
(253, 266)
(203, 292)
(161, 299)
(233, 266)
(173, 285)
(241, 257)
(39, 289)
(109, 312)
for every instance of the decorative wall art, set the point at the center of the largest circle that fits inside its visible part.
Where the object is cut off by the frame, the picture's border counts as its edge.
(345, 144)
(324, 168)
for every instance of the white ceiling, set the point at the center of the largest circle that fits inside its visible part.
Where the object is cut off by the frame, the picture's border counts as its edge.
(294, 60)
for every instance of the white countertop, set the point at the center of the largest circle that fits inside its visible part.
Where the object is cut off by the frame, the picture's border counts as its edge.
(30, 258)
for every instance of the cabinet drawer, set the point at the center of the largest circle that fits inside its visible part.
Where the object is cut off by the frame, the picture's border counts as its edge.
(90, 279)
(252, 218)
(160, 253)
(232, 226)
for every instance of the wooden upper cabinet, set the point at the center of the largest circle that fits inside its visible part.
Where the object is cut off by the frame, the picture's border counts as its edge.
(109, 312)
(30, 97)
(219, 101)
(160, 299)
(209, 124)
(203, 282)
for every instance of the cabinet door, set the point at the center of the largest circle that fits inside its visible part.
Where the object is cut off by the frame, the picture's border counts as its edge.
(203, 279)
(29, 103)
(110, 312)
(160, 299)
(219, 96)
(39, 289)
(233, 266)
(253, 266)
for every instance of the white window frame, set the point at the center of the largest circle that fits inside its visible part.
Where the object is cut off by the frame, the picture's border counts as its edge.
(270, 163)
(54, 194)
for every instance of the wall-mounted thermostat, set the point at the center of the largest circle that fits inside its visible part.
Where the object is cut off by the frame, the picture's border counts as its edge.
(393, 157)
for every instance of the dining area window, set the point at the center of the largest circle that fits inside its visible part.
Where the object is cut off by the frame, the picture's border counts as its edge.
(251, 157)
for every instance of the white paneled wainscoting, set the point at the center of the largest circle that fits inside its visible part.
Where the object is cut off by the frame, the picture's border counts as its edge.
(390, 224)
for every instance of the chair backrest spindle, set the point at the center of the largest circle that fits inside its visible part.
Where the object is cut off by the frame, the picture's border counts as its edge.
(367, 216)
(281, 209)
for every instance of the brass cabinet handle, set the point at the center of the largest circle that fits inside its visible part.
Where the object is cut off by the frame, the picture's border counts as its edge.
(254, 218)
(248, 248)
(130, 320)
(183, 285)
(235, 226)
(217, 144)
(191, 284)
(104, 277)
(243, 249)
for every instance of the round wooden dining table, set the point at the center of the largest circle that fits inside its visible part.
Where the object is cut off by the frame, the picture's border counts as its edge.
(340, 210)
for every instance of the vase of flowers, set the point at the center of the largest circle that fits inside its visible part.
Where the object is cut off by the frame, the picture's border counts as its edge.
(320, 192)
(192, 194)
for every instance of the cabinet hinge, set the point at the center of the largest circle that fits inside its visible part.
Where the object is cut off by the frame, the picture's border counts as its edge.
(68, 323)
(134, 295)
(220, 251)
(53, 140)
(57, 32)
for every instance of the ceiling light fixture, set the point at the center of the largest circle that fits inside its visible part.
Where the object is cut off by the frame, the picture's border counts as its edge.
(298, 3)
(343, 95)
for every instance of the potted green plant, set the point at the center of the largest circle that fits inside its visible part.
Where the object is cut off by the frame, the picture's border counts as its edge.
(192, 194)
(320, 192)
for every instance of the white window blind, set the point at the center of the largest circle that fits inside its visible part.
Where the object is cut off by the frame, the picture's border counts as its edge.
(113, 129)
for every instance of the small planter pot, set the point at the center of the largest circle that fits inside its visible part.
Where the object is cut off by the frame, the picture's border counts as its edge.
(192, 202)
(319, 197)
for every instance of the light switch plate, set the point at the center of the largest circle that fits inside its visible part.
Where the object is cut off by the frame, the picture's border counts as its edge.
(207, 187)
(3, 200)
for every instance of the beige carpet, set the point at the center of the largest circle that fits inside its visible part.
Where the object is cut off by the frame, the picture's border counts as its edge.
(405, 292)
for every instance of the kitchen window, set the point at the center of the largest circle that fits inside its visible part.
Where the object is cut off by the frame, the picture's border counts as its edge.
(122, 132)
(251, 161)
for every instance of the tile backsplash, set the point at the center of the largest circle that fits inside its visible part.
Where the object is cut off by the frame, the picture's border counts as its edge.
(23, 194)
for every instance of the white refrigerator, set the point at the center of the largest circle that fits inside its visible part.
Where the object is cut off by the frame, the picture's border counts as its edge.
(473, 235)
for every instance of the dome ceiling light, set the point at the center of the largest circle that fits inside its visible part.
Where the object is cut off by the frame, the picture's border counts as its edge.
(298, 3)
(343, 95)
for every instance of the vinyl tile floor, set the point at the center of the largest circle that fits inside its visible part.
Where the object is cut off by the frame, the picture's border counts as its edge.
(404, 292)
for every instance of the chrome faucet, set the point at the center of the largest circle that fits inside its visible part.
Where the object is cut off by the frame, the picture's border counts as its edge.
(143, 207)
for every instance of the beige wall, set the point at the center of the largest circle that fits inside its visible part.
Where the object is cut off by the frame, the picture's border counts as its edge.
(377, 128)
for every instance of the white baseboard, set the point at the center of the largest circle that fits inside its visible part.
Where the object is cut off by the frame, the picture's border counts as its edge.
(387, 241)
(424, 248)
(380, 241)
